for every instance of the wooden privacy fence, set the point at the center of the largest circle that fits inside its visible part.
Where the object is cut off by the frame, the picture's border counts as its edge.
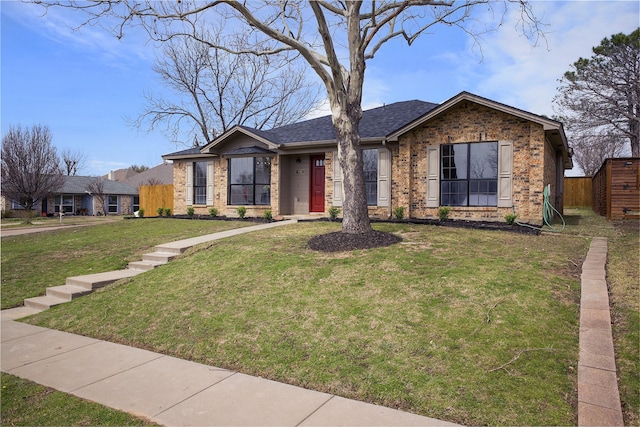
(153, 197)
(577, 191)
(616, 188)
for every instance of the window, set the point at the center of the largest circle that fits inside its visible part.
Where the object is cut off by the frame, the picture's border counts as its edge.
(250, 181)
(469, 174)
(66, 201)
(370, 160)
(200, 183)
(112, 204)
(377, 168)
(136, 203)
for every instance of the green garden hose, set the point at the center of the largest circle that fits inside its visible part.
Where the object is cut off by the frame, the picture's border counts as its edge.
(547, 213)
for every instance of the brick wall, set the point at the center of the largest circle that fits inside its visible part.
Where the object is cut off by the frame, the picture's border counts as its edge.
(470, 122)
(220, 174)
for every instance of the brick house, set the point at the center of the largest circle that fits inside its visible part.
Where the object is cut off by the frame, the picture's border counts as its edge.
(482, 158)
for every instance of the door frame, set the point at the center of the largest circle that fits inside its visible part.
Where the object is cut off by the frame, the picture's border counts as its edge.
(312, 169)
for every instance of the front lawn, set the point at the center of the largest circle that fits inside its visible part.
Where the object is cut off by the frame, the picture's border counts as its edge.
(32, 262)
(470, 326)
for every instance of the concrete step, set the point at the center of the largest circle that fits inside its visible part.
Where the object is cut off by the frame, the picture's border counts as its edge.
(43, 303)
(67, 292)
(174, 248)
(145, 265)
(98, 280)
(158, 256)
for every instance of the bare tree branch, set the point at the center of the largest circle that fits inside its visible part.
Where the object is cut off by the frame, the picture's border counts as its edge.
(280, 26)
(30, 165)
(601, 96)
(73, 161)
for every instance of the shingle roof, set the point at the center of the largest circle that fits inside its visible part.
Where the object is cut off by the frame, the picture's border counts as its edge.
(162, 173)
(376, 123)
(187, 152)
(78, 185)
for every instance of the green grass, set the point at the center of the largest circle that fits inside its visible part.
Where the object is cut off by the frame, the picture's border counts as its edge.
(475, 327)
(28, 404)
(32, 262)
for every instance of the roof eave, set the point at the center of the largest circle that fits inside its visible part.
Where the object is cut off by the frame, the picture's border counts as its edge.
(188, 156)
(327, 143)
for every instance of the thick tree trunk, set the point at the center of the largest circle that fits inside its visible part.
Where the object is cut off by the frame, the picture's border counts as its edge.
(355, 215)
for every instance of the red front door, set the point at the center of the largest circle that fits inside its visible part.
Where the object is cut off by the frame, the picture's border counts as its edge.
(316, 202)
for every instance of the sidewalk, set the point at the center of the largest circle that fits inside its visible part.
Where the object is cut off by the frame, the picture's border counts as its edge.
(175, 392)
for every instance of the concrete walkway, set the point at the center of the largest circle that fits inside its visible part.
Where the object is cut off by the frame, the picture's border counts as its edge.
(78, 286)
(598, 395)
(175, 392)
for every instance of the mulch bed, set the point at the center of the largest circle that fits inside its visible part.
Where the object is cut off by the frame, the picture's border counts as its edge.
(338, 241)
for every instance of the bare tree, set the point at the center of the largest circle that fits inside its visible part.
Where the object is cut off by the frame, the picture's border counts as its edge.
(600, 96)
(590, 150)
(153, 181)
(139, 168)
(219, 90)
(73, 161)
(30, 165)
(336, 39)
(96, 189)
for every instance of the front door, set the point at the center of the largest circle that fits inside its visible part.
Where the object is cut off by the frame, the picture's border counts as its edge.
(316, 203)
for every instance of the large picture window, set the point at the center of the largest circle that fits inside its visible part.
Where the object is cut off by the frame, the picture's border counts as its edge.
(469, 174)
(250, 181)
(200, 183)
(370, 160)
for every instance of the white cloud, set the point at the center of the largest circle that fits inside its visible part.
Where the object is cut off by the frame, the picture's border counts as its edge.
(67, 27)
(523, 76)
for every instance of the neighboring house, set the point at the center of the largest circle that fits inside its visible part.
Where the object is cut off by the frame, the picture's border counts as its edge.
(73, 198)
(157, 175)
(121, 175)
(482, 158)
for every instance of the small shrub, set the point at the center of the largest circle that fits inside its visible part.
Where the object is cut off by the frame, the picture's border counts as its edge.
(443, 213)
(141, 213)
(167, 212)
(242, 211)
(511, 218)
(213, 212)
(7, 214)
(333, 213)
(190, 212)
(160, 211)
(267, 216)
(398, 212)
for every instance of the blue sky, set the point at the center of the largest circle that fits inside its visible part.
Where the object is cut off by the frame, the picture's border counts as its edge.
(86, 85)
